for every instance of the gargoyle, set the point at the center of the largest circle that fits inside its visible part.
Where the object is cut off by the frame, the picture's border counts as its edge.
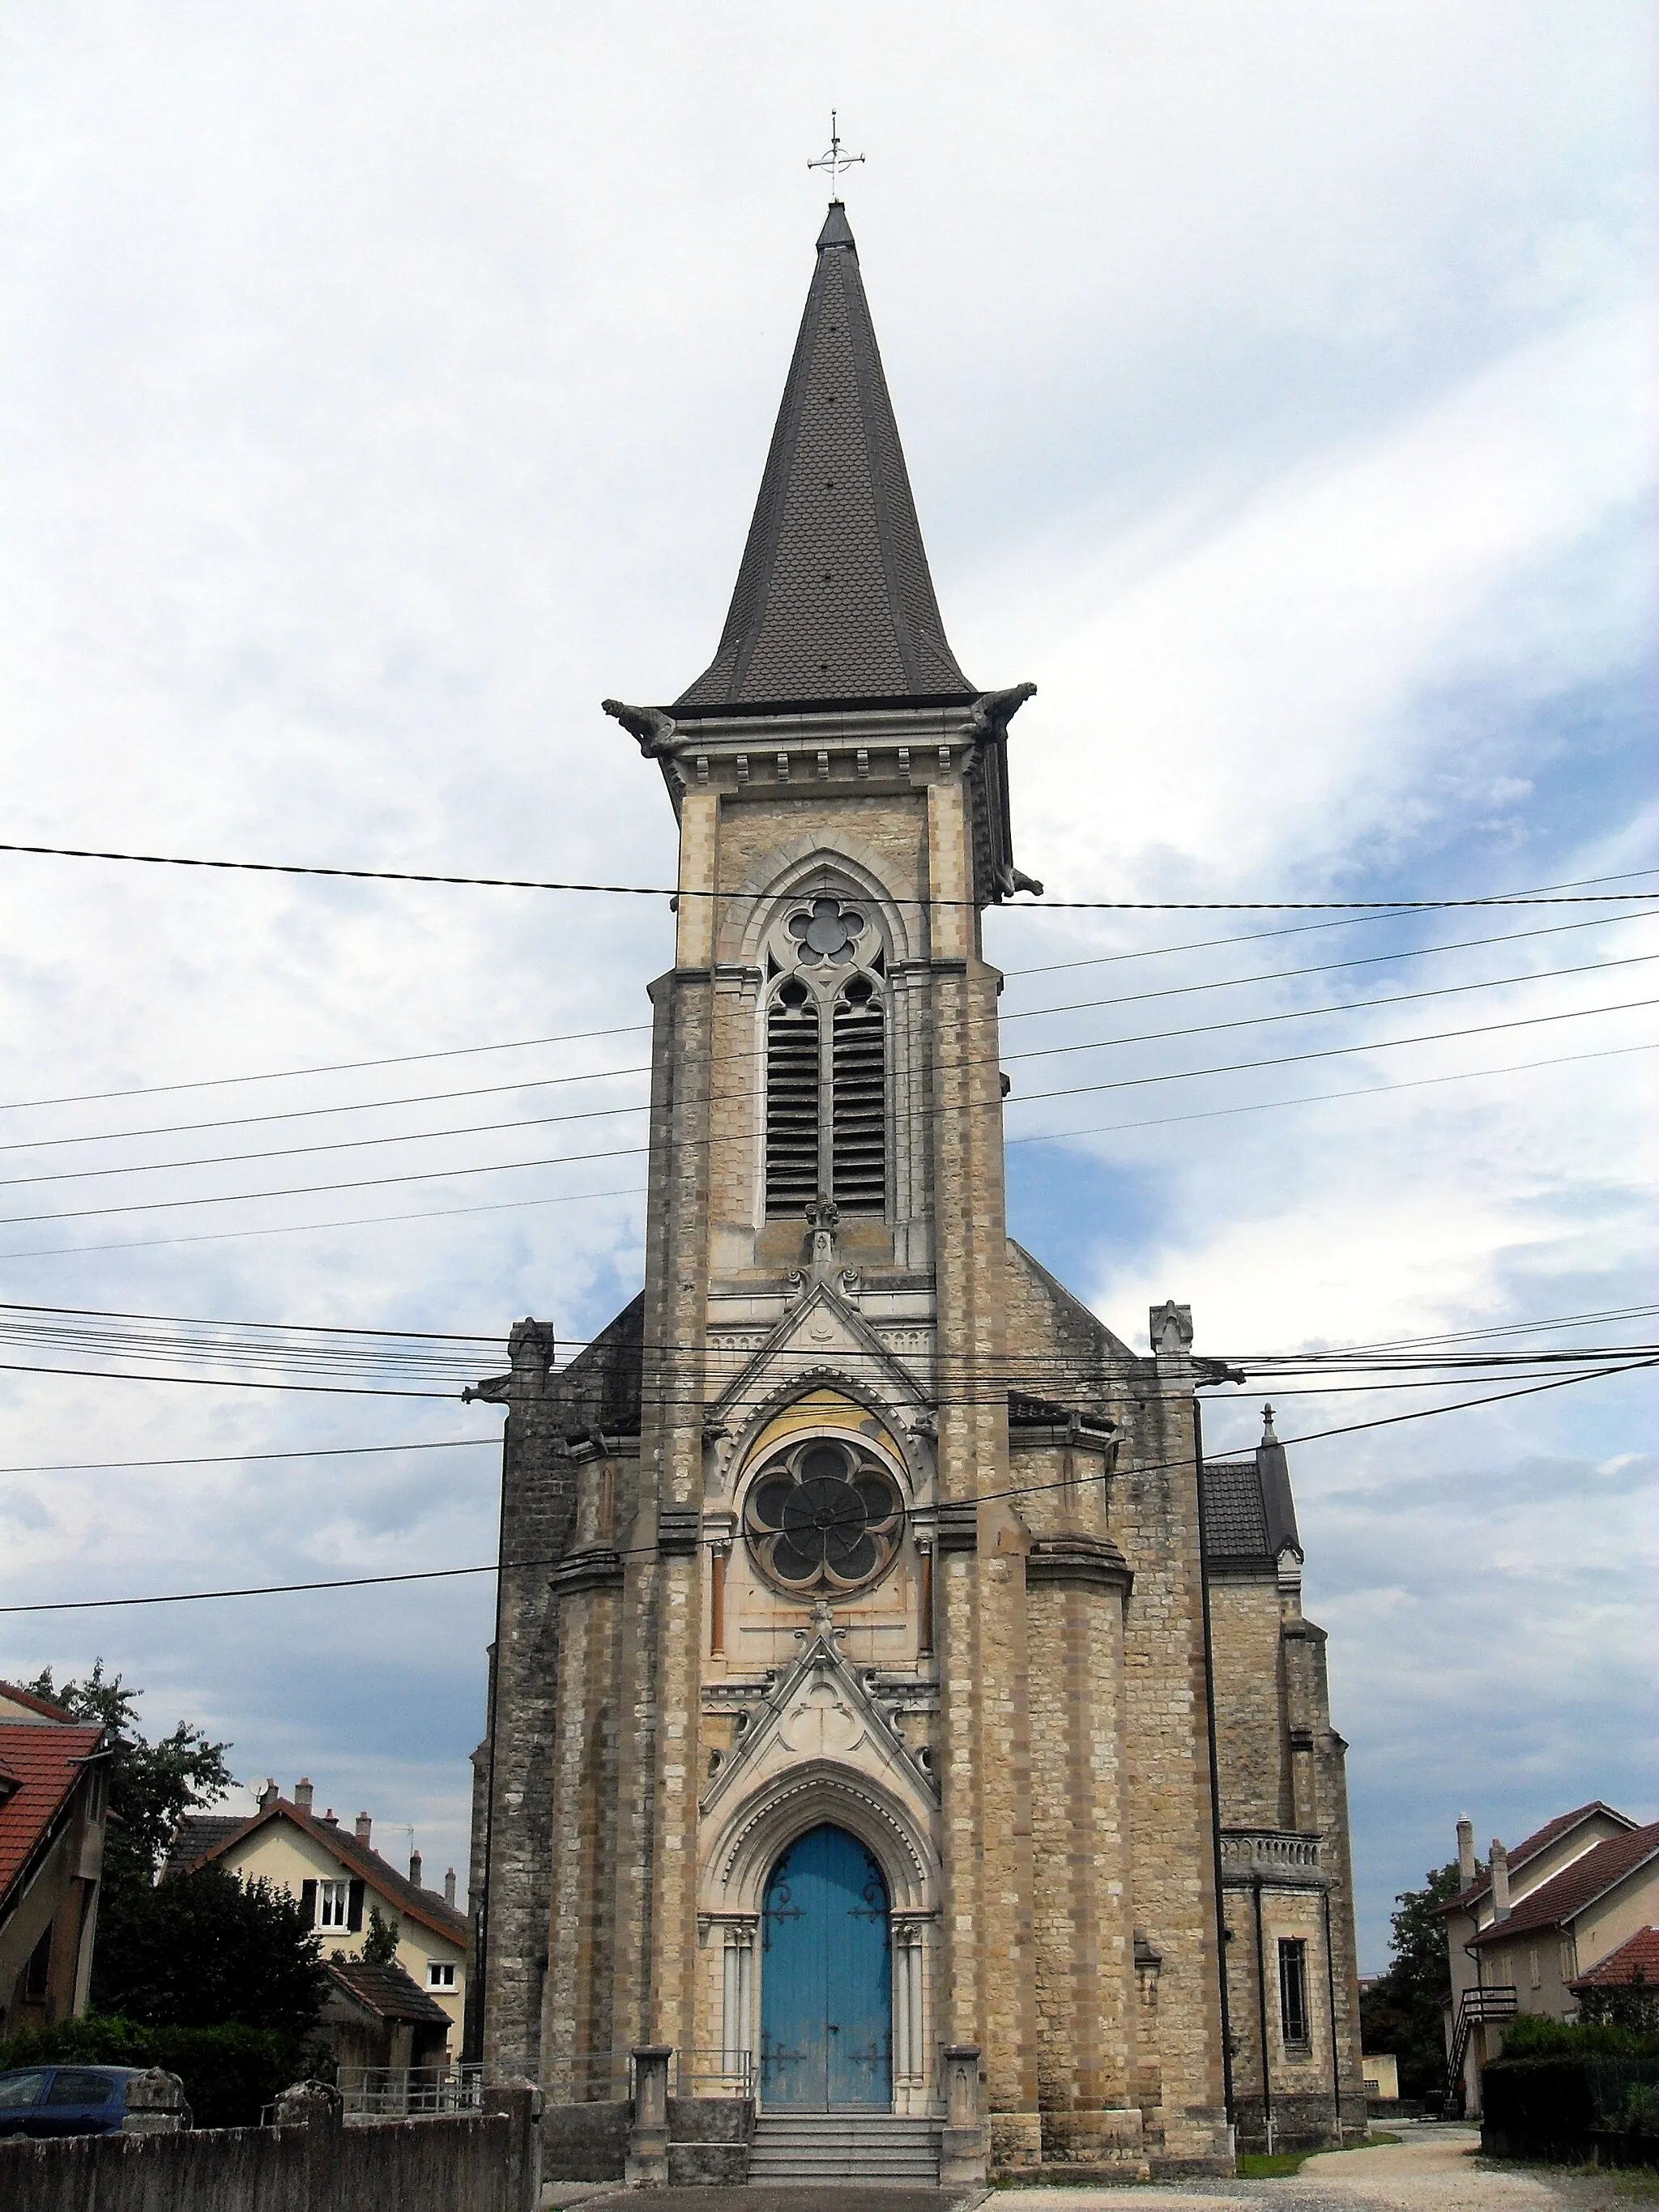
(994, 710)
(649, 726)
(1011, 879)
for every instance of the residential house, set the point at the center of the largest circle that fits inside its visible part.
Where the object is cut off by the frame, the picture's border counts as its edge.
(1518, 1936)
(52, 1793)
(341, 1880)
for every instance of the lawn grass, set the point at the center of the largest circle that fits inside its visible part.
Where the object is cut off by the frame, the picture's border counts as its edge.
(1274, 2165)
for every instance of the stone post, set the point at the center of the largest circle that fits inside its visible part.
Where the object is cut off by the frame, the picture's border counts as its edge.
(320, 2111)
(648, 2140)
(521, 2104)
(962, 2145)
(156, 2105)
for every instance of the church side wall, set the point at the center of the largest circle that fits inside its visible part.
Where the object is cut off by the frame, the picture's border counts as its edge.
(1251, 1750)
(537, 1501)
(1156, 1520)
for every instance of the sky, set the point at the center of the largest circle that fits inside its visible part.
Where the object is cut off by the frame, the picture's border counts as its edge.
(382, 386)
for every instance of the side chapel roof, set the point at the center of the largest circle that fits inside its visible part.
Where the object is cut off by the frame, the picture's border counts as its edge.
(1249, 1513)
(834, 602)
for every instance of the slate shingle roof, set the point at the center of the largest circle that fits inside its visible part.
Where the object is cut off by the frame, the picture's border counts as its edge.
(835, 600)
(1235, 1518)
(1565, 1895)
(46, 1762)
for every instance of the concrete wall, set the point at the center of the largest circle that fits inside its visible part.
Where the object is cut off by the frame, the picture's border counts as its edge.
(486, 2163)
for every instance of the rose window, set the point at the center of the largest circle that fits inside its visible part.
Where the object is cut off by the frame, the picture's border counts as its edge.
(826, 932)
(822, 1519)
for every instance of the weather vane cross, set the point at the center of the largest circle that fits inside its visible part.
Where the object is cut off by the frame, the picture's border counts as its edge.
(836, 161)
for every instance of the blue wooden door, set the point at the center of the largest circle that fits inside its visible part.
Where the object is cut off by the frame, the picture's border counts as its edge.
(826, 1983)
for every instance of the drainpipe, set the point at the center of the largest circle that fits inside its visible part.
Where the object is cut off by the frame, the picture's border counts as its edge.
(1215, 1774)
(1262, 2000)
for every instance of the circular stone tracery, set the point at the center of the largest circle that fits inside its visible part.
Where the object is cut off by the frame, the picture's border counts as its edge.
(826, 931)
(822, 1518)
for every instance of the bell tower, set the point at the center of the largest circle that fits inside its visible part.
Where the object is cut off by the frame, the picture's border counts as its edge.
(853, 1731)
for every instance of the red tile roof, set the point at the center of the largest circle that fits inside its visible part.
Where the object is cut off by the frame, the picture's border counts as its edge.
(47, 1763)
(203, 1837)
(1565, 1895)
(1639, 1957)
(1539, 1840)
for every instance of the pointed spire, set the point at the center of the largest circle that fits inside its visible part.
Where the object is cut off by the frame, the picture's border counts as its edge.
(834, 600)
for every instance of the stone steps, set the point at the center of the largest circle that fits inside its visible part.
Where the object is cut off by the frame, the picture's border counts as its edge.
(851, 2146)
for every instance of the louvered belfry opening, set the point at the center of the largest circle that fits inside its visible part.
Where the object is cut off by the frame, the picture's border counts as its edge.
(792, 1100)
(858, 1099)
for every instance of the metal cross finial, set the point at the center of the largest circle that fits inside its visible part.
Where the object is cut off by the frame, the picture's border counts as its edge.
(834, 162)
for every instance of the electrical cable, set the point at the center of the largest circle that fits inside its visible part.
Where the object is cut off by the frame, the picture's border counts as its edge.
(676, 891)
(597, 1075)
(1033, 1052)
(622, 1151)
(457, 1052)
(516, 1566)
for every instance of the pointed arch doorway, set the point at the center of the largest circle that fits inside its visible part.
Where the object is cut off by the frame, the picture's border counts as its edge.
(826, 1976)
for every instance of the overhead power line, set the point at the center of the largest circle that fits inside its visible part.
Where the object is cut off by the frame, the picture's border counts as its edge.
(672, 890)
(1142, 1122)
(576, 1036)
(513, 1566)
(621, 1151)
(520, 1084)
(1032, 1052)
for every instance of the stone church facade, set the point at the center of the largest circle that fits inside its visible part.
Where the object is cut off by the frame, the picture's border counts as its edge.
(881, 1686)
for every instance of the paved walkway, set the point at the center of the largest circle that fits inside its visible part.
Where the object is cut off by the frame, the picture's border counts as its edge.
(1432, 2170)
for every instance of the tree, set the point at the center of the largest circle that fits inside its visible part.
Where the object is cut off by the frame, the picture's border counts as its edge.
(380, 1944)
(210, 1950)
(202, 1948)
(1401, 2010)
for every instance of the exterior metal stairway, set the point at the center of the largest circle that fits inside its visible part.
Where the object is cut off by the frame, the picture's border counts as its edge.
(1477, 2006)
(854, 2146)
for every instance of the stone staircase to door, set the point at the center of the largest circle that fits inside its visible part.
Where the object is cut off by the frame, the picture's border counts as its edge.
(854, 2147)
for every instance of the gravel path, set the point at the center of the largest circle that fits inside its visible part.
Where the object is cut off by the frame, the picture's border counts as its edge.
(1433, 2169)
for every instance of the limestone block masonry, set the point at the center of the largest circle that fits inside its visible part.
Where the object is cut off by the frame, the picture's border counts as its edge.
(864, 1601)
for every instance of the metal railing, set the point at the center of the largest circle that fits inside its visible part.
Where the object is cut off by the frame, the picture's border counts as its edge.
(587, 2077)
(712, 2073)
(1476, 2007)
(403, 2091)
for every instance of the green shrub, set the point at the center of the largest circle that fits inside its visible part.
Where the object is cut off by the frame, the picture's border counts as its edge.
(1535, 2035)
(229, 2073)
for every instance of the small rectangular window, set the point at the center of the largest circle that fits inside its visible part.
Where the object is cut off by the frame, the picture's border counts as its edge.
(439, 1974)
(1293, 1991)
(333, 1904)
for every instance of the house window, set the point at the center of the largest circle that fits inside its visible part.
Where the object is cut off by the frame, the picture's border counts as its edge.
(1293, 1991)
(826, 1067)
(1533, 1974)
(439, 1974)
(333, 1904)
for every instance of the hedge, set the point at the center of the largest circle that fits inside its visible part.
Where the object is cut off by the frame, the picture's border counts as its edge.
(1554, 2104)
(229, 2074)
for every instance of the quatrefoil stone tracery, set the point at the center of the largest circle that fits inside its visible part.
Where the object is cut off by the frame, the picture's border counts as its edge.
(826, 931)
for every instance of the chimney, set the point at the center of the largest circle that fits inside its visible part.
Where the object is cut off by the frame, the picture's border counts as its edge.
(449, 1887)
(269, 1794)
(1466, 1853)
(331, 1819)
(415, 1869)
(1500, 1881)
(364, 1826)
(302, 1795)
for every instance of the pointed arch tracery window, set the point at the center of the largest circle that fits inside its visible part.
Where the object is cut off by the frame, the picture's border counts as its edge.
(826, 1063)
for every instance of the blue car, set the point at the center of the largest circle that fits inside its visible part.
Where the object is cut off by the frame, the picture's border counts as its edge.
(64, 2100)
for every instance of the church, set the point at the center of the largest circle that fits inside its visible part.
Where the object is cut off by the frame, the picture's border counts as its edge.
(895, 1726)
